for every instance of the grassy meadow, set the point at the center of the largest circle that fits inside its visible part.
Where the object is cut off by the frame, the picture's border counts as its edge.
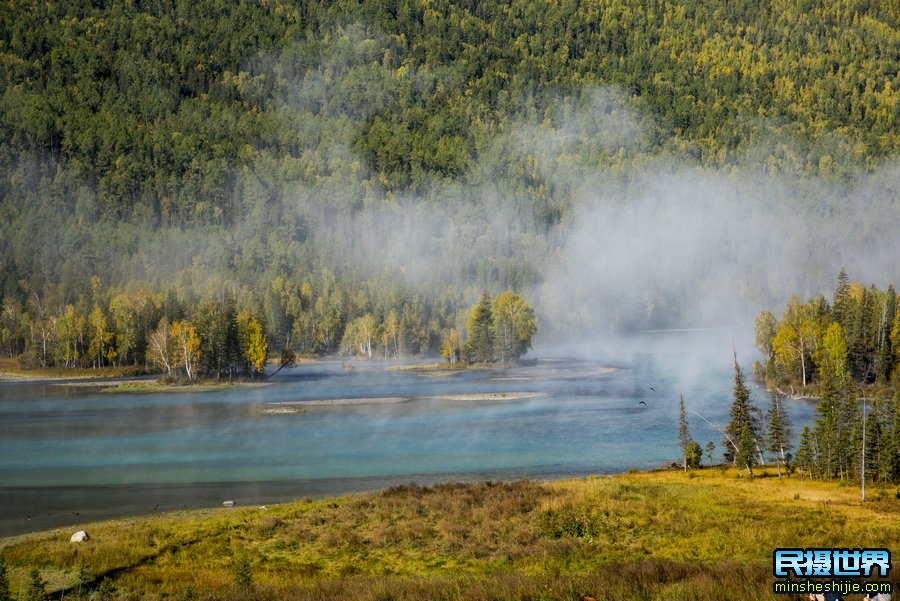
(657, 535)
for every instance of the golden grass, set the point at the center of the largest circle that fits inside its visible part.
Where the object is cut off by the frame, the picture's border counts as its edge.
(655, 535)
(9, 369)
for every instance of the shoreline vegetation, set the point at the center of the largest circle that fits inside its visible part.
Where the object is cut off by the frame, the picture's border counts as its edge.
(639, 535)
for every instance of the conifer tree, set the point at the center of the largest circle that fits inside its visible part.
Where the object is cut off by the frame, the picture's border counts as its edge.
(806, 453)
(5, 594)
(742, 432)
(684, 435)
(480, 345)
(886, 348)
(779, 431)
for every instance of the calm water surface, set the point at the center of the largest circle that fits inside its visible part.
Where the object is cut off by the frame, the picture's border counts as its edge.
(72, 454)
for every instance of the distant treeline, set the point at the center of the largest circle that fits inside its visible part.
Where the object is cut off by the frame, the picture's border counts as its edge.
(235, 335)
(156, 143)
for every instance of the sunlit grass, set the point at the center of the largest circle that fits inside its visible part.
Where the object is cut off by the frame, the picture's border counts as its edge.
(657, 535)
(9, 368)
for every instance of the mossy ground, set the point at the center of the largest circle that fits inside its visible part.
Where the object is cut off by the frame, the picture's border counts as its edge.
(707, 534)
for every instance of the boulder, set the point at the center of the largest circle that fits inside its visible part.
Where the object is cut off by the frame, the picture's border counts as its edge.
(79, 537)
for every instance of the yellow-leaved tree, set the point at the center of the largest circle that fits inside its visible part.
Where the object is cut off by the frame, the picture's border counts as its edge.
(254, 344)
(186, 347)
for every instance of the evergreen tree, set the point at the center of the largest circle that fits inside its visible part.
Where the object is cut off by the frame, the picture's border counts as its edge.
(710, 450)
(480, 344)
(840, 308)
(892, 445)
(220, 347)
(827, 431)
(684, 435)
(885, 364)
(37, 587)
(5, 594)
(807, 457)
(741, 439)
(779, 430)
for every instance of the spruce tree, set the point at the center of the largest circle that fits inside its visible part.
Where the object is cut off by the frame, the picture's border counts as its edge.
(741, 439)
(885, 363)
(779, 430)
(827, 429)
(710, 450)
(684, 435)
(5, 594)
(840, 309)
(806, 453)
(480, 346)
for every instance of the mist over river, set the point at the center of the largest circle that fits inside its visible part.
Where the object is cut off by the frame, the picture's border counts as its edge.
(71, 454)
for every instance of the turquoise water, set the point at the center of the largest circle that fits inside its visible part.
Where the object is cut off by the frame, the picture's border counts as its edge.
(72, 453)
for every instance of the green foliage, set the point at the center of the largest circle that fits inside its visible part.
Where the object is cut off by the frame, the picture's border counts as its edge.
(742, 435)
(513, 326)
(5, 593)
(480, 342)
(572, 521)
(779, 433)
(107, 590)
(693, 455)
(225, 138)
(220, 350)
(243, 572)
(37, 587)
(832, 346)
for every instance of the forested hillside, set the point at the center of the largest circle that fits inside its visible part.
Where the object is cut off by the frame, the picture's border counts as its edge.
(314, 162)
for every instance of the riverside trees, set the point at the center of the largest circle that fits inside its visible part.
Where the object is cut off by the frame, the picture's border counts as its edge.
(853, 339)
(840, 351)
(501, 329)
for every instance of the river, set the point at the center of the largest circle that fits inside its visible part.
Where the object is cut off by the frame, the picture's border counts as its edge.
(71, 454)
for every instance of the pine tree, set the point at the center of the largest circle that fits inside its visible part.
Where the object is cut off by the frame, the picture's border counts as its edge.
(806, 452)
(827, 430)
(886, 349)
(480, 345)
(779, 430)
(742, 432)
(840, 308)
(710, 450)
(684, 434)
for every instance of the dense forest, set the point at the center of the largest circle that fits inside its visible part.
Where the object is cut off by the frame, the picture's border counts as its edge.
(845, 351)
(306, 164)
(852, 340)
